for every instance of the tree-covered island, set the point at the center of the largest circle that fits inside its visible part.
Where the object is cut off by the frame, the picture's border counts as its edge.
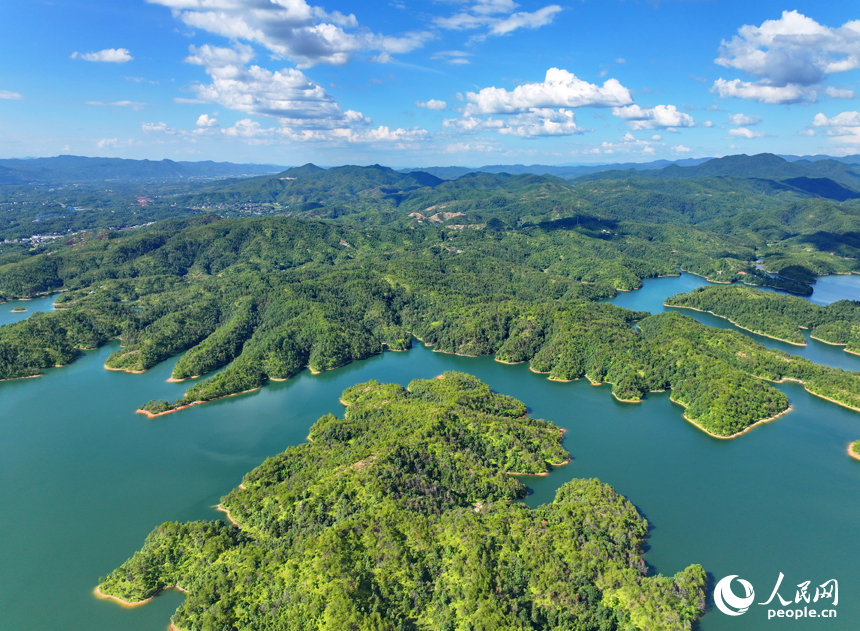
(400, 516)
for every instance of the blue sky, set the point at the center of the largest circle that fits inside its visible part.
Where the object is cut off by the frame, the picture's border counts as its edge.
(407, 83)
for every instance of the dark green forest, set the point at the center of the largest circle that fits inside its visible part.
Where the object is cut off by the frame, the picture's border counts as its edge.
(399, 516)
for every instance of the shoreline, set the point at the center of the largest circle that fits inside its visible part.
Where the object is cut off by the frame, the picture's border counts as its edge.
(812, 336)
(131, 605)
(149, 414)
(851, 453)
(803, 383)
(735, 435)
(221, 509)
(717, 282)
(27, 377)
(778, 339)
(617, 398)
(133, 372)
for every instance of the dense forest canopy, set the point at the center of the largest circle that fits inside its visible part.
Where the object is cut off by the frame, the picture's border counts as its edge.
(779, 316)
(398, 516)
(267, 297)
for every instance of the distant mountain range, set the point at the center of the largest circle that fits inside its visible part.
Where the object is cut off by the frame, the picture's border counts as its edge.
(825, 177)
(63, 169)
(836, 178)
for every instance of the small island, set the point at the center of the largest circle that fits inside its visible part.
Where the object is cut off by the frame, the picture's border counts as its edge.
(401, 515)
(19, 310)
(854, 450)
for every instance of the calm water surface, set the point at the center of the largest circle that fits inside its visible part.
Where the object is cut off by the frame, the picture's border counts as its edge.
(31, 306)
(83, 479)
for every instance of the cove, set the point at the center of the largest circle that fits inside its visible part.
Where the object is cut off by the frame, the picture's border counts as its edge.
(827, 289)
(83, 479)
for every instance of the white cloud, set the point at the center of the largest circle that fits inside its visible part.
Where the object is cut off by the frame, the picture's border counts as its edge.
(455, 57)
(486, 14)
(306, 34)
(743, 119)
(628, 143)
(559, 89)
(708, 124)
(790, 56)
(835, 93)
(113, 143)
(659, 117)
(761, 92)
(681, 149)
(206, 121)
(743, 132)
(155, 127)
(110, 55)
(536, 19)
(285, 93)
(13, 96)
(132, 104)
(845, 119)
(532, 124)
(806, 132)
(468, 147)
(844, 127)
(432, 104)
(541, 122)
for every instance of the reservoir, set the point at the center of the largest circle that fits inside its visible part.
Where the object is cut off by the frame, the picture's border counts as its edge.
(83, 479)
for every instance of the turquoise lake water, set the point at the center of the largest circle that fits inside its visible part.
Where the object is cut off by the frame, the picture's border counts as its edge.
(83, 479)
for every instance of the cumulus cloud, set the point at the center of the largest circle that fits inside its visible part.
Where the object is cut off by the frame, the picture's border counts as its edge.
(207, 121)
(681, 149)
(12, 96)
(844, 128)
(113, 143)
(285, 93)
(790, 57)
(291, 29)
(560, 88)
(659, 117)
(743, 119)
(109, 55)
(743, 132)
(432, 104)
(845, 119)
(532, 124)
(497, 17)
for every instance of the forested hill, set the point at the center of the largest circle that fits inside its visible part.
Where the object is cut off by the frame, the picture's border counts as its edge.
(267, 298)
(399, 516)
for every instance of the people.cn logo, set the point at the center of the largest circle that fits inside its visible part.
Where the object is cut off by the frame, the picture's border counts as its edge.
(726, 600)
